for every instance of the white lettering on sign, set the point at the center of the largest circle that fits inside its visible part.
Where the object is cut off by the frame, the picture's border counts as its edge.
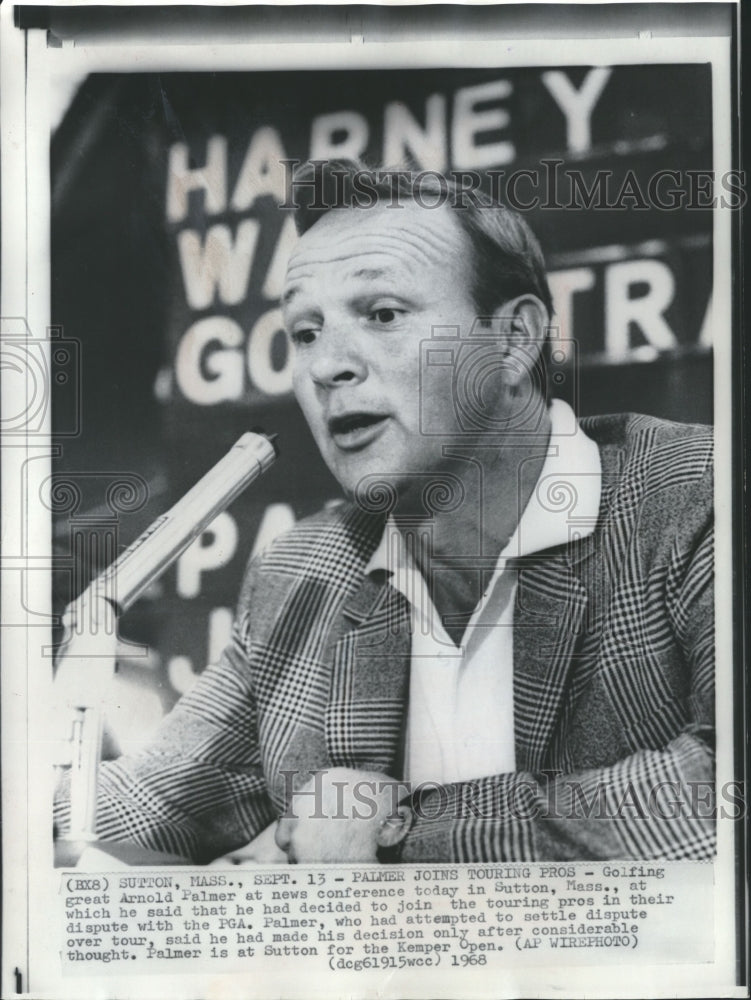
(213, 549)
(274, 282)
(645, 310)
(217, 263)
(577, 105)
(262, 172)
(223, 364)
(563, 287)
(214, 360)
(267, 330)
(706, 338)
(476, 118)
(469, 124)
(402, 133)
(341, 135)
(180, 670)
(220, 629)
(206, 556)
(209, 365)
(211, 178)
(180, 673)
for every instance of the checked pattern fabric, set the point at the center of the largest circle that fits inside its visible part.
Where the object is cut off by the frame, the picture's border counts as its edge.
(613, 685)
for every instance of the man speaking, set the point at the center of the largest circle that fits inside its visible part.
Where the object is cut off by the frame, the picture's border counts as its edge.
(501, 646)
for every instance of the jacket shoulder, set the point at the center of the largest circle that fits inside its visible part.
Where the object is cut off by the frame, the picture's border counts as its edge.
(330, 547)
(657, 478)
(652, 447)
(625, 428)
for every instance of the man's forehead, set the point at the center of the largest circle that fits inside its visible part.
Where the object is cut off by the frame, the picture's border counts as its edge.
(405, 236)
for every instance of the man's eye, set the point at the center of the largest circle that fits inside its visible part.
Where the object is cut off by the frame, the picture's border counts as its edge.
(385, 315)
(303, 336)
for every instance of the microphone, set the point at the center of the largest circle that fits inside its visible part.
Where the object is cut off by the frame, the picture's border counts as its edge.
(123, 582)
(90, 620)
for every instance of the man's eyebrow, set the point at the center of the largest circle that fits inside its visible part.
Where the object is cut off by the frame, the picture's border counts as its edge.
(289, 293)
(365, 273)
(371, 273)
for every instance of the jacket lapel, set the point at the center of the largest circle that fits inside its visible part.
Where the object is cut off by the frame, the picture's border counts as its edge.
(549, 615)
(552, 615)
(367, 709)
(366, 715)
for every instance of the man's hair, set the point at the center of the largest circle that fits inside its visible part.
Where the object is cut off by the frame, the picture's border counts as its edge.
(507, 258)
(508, 261)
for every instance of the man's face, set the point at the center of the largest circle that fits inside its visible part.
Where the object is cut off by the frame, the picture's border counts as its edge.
(364, 289)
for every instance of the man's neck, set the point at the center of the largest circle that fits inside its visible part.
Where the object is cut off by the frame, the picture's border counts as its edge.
(458, 547)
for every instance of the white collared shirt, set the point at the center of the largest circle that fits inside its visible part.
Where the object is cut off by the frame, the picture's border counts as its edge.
(461, 708)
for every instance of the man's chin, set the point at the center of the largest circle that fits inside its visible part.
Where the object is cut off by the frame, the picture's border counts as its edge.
(379, 482)
(373, 491)
(419, 495)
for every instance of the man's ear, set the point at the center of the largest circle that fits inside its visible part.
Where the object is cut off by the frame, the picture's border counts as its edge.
(522, 324)
(394, 829)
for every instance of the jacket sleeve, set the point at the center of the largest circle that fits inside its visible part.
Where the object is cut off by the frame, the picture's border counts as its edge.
(198, 790)
(653, 803)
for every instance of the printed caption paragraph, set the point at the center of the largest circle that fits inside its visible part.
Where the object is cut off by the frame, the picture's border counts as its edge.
(350, 919)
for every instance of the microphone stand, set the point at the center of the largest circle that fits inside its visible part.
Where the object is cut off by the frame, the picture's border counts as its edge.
(87, 662)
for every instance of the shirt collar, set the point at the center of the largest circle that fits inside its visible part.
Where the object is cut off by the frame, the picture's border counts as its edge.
(563, 506)
(566, 499)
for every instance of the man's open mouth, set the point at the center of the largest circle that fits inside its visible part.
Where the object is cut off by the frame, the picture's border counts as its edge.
(355, 430)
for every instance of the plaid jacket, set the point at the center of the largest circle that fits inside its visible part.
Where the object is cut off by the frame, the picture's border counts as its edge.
(613, 685)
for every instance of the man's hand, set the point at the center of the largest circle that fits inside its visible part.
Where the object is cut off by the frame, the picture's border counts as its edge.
(262, 850)
(343, 815)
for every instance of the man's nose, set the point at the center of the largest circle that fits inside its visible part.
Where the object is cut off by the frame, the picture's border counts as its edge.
(336, 357)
